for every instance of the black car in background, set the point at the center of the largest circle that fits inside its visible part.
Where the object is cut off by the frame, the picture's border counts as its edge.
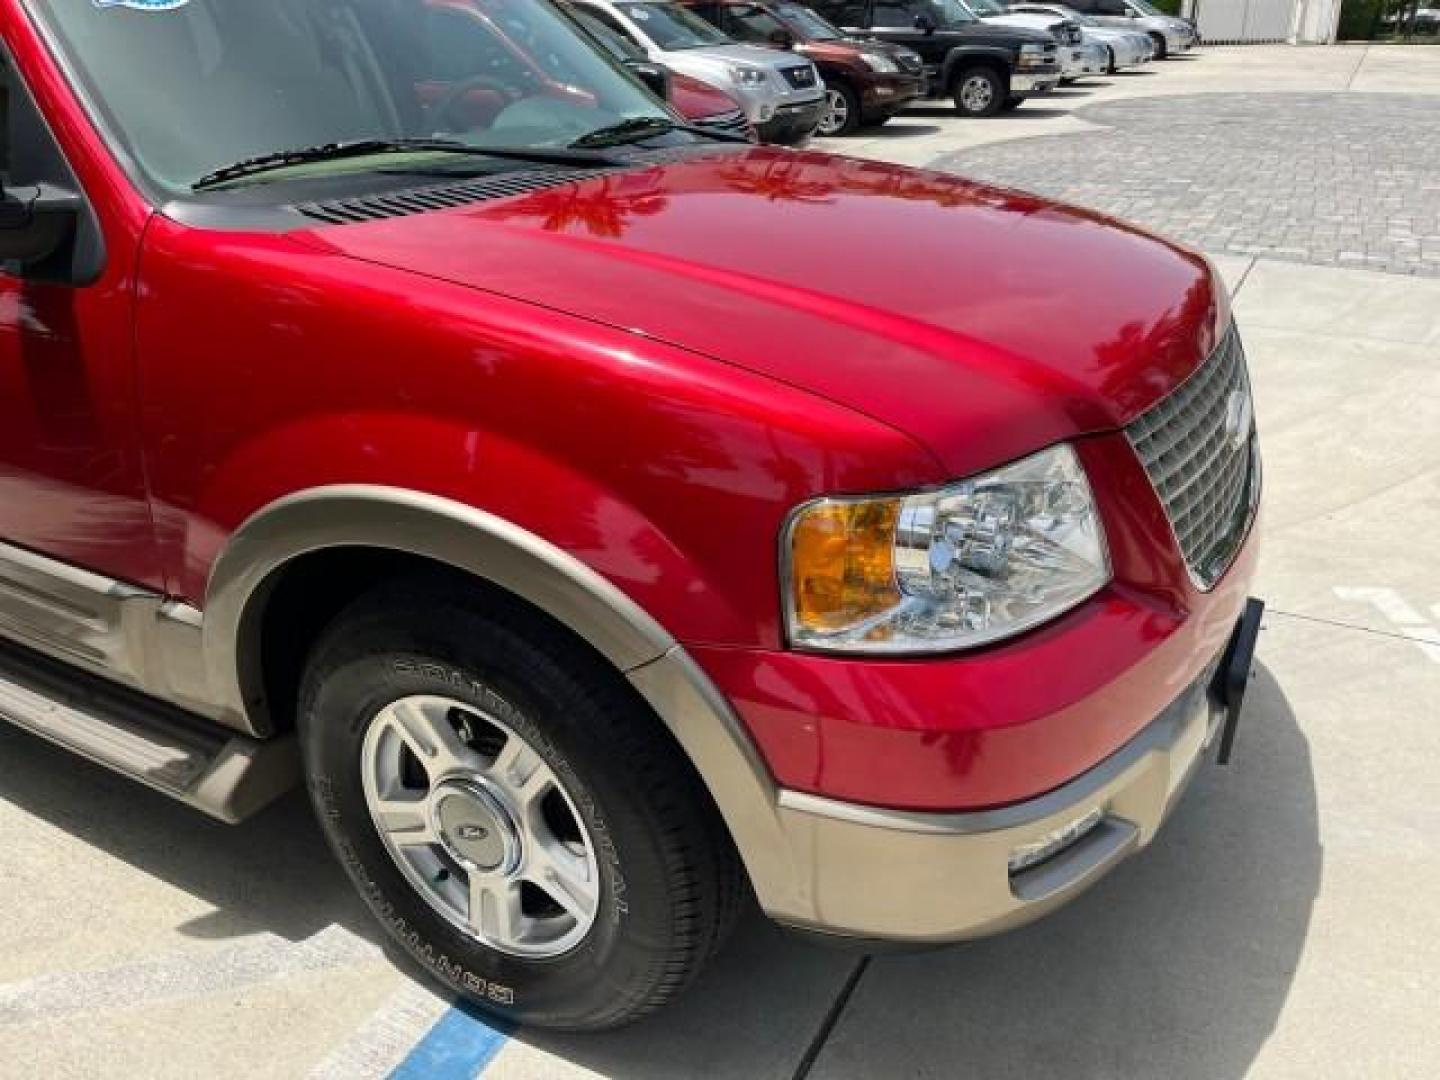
(982, 67)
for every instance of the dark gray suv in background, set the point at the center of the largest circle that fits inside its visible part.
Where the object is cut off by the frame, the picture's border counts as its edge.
(983, 68)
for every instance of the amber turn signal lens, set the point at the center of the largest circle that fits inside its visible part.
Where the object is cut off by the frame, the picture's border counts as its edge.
(842, 563)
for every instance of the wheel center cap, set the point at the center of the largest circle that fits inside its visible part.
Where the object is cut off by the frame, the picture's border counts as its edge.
(475, 827)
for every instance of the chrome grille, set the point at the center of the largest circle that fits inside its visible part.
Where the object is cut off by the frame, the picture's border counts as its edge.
(1199, 448)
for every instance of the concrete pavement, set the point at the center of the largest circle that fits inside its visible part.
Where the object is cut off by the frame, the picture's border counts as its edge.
(932, 129)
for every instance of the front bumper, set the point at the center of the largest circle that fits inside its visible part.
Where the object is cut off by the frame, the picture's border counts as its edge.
(885, 94)
(1025, 83)
(1179, 41)
(792, 123)
(1086, 59)
(947, 877)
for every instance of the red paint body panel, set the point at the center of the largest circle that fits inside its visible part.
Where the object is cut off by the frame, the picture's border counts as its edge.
(72, 481)
(1006, 723)
(987, 323)
(651, 370)
(269, 367)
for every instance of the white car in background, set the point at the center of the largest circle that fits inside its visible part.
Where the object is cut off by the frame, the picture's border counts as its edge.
(1124, 48)
(781, 92)
(1076, 57)
(1170, 34)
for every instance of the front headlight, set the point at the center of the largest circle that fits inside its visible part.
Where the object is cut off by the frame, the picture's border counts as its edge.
(747, 76)
(876, 62)
(1032, 48)
(949, 569)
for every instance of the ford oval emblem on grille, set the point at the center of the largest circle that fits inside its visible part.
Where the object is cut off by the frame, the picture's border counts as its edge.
(1239, 413)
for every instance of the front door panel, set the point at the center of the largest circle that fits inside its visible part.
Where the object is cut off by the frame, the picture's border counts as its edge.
(72, 484)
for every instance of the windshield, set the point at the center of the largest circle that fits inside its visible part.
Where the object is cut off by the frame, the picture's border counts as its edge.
(671, 27)
(986, 7)
(622, 48)
(1146, 7)
(1065, 13)
(810, 25)
(202, 84)
(949, 13)
(753, 24)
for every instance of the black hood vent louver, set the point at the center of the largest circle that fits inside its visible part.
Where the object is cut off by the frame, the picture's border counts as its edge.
(421, 200)
(440, 197)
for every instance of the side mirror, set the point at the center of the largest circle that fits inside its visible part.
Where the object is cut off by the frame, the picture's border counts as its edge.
(35, 221)
(782, 39)
(924, 23)
(656, 77)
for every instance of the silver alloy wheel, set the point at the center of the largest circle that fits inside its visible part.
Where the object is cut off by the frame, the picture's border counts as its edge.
(481, 826)
(837, 112)
(976, 93)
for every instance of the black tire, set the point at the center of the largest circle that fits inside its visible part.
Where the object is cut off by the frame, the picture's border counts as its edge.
(670, 883)
(1109, 60)
(1160, 50)
(848, 103)
(969, 97)
(1013, 102)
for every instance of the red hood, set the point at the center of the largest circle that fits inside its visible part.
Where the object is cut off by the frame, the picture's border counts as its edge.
(982, 321)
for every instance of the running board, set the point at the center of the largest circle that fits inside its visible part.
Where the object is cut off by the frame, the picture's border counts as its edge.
(226, 775)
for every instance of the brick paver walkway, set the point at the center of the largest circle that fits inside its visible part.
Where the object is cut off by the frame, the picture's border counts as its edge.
(1335, 179)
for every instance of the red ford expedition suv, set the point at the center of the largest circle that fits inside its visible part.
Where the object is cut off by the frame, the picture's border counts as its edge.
(535, 478)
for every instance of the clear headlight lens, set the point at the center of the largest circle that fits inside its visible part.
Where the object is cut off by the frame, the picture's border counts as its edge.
(950, 569)
(877, 62)
(1032, 48)
(747, 76)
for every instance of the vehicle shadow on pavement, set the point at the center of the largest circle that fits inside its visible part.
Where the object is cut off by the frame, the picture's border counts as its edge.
(898, 129)
(273, 873)
(1031, 111)
(1178, 965)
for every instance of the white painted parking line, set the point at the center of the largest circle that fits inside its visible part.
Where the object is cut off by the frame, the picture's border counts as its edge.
(180, 975)
(387, 1038)
(1407, 619)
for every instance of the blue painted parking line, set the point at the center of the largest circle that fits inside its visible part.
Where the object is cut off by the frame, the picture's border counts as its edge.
(458, 1047)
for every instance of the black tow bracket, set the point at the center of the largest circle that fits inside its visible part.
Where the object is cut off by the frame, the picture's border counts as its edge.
(1233, 675)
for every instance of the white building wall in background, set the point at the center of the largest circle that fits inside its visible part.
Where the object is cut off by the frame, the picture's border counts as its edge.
(1317, 22)
(1229, 22)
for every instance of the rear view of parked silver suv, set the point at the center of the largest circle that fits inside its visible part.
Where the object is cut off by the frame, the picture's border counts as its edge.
(781, 92)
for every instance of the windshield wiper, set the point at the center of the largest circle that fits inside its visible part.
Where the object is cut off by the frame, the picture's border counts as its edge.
(637, 128)
(338, 151)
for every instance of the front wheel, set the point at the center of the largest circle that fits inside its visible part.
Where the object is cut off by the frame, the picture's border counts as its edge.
(511, 812)
(1160, 47)
(979, 91)
(842, 111)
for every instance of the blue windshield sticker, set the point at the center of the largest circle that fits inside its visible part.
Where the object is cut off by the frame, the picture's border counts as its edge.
(142, 5)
